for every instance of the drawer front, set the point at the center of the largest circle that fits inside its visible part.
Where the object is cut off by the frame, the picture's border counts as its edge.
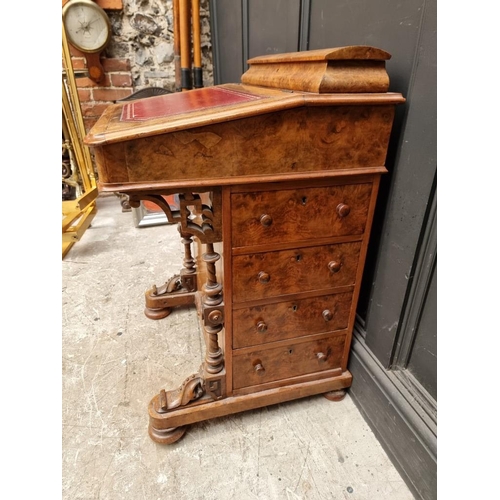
(290, 319)
(299, 214)
(269, 365)
(272, 274)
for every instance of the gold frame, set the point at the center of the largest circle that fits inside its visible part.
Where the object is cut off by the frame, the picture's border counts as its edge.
(76, 214)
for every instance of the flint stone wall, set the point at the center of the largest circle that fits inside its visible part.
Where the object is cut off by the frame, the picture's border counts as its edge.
(143, 32)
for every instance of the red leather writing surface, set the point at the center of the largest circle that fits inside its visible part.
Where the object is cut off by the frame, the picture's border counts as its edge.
(182, 102)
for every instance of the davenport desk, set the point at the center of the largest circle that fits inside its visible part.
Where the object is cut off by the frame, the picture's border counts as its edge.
(277, 180)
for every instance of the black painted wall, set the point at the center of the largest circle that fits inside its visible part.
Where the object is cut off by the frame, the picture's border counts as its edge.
(394, 357)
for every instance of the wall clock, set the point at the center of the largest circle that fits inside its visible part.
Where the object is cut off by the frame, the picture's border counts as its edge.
(88, 29)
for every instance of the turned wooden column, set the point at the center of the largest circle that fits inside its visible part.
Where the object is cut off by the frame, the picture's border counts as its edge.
(188, 272)
(213, 312)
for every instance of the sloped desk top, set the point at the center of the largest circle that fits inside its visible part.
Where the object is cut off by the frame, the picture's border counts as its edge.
(237, 133)
(324, 100)
(198, 107)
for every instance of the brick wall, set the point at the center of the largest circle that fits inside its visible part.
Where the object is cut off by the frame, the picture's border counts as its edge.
(95, 97)
(140, 55)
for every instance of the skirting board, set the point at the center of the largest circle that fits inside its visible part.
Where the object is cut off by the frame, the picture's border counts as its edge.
(410, 444)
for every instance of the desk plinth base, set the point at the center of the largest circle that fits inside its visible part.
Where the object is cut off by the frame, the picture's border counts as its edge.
(335, 395)
(180, 290)
(168, 427)
(167, 436)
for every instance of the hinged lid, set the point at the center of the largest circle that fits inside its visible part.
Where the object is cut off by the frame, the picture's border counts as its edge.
(352, 69)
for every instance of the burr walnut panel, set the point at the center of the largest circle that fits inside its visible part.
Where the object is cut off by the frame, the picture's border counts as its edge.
(331, 76)
(290, 319)
(304, 139)
(350, 69)
(299, 214)
(290, 360)
(271, 274)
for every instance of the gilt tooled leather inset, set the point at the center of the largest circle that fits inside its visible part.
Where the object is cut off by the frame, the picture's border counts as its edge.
(183, 102)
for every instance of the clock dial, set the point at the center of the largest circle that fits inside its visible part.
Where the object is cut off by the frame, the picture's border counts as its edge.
(87, 25)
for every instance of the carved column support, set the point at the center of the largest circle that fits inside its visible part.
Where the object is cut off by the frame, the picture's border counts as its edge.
(212, 289)
(188, 272)
(180, 289)
(213, 313)
(189, 262)
(205, 222)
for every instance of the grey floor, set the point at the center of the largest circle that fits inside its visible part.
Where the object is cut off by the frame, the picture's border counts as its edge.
(115, 360)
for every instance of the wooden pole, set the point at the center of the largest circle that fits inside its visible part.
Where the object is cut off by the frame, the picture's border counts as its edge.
(177, 45)
(197, 70)
(185, 31)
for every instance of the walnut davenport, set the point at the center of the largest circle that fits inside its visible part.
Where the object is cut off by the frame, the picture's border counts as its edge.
(277, 180)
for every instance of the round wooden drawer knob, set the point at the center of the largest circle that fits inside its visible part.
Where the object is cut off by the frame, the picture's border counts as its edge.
(321, 357)
(264, 277)
(327, 315)
(261, 327)
(334, 266)
(266, 220)
(343, 209)
(215, 317)
(259, 369)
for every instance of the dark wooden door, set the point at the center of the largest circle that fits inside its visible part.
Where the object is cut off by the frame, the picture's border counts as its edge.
(395, 334)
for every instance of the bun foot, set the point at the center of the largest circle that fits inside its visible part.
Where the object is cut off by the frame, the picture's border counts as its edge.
(167, 436)
(335, 395)
(157, 313)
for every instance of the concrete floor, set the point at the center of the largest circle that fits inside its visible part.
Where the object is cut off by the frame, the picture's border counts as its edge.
(115, 360)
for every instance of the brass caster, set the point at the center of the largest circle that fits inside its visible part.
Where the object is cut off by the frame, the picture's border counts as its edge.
(157, 313)
(335, 395)
(167, 436)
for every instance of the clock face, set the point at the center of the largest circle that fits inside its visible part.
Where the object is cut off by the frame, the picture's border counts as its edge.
(87, 25)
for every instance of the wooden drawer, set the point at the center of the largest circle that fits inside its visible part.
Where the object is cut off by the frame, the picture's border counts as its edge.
(299, 214)
(272, 274)
(291, 360)
(290, 319)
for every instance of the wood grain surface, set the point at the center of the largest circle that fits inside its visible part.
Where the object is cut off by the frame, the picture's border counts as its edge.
(292, 271)
(289, 360)
(298, 214)
(301, 140)
(290, 318)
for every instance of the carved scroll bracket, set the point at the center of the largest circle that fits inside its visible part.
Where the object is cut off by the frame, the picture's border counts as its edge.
(194, 218)
(190, 390)
(196, 388)
(194, 391)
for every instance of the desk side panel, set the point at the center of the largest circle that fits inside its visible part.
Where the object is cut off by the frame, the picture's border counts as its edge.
(111, 163)
(306, 139)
